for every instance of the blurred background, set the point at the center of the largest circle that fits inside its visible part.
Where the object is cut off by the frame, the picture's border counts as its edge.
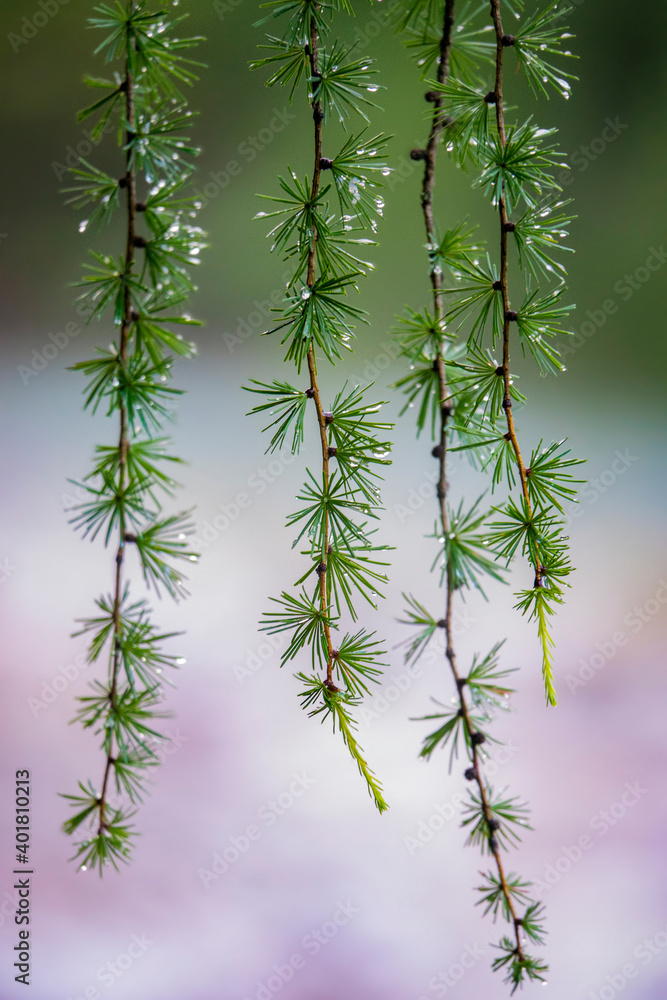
(375, 908)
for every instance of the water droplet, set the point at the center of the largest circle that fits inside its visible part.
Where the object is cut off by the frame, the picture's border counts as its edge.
(305, 294)
(83, 225)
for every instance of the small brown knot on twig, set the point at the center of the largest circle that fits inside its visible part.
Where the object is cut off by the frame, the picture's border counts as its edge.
(437, 452)
(461, 682)
(332, 451)
(509, 227)
(493, 825)
(512, 315)
(122, 182)
(318, 115)
(493, 845)
(135, 316)
(321, 568)
(491, 97)
(497, 286)
(441, 623)
(140, 241)
(432, 96)
(129, 537)
(328, 417)
(335, 653)
(310, 392)
(507, 40)
(418, 154)
(140, 206)
(477, 738)
(330, 686)
(470, 774)
(325, 163)
(499, 370)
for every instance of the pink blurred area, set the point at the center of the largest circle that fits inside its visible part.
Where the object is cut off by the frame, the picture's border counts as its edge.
(262, 864)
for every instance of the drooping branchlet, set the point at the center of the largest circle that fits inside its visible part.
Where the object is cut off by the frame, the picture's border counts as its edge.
(465, 396)
(125, 490)
(316, 224)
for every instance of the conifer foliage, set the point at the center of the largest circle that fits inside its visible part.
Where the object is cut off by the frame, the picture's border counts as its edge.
(323, 224)
(142, 291)
(459, 351)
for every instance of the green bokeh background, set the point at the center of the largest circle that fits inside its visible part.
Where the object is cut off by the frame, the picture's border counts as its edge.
(619, 195)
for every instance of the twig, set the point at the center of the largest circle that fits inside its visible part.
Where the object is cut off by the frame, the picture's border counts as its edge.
(441, 452)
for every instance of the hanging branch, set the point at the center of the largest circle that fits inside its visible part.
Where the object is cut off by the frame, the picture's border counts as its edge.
(322, 239)
(129, 379)
(516, 166)
(462, 393)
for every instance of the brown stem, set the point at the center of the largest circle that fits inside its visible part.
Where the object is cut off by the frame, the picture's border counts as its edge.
(464, 710)
(131, 191)
(313, 55)
(428, 183)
